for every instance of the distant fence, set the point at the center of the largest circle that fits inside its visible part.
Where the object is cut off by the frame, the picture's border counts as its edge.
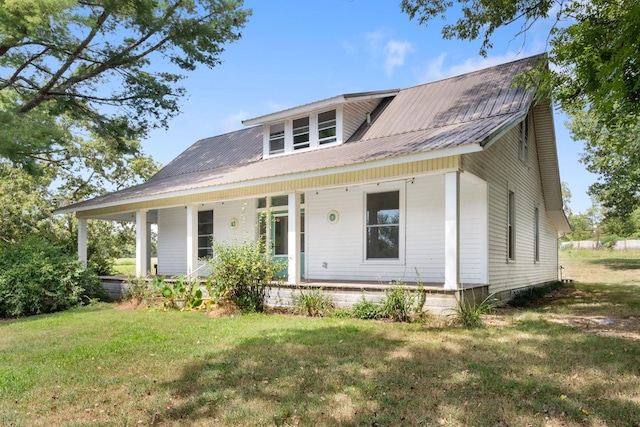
(620, 245)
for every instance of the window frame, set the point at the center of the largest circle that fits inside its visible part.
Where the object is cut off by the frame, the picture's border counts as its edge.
(385, 188)
(536, 234)
(208, 249)
(312, 131)
(511, 225)
(523, 139)
(271, 138)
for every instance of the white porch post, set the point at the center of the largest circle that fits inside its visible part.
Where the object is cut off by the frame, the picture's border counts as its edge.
(148, 254)
(294, 238)
(452, 230)
(82, 241)
(141, 243)
(192, 239)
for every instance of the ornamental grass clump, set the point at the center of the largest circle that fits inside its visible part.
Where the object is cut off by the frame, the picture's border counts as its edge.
(313, 302)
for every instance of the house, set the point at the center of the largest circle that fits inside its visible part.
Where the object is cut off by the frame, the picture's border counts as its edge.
(454, 182)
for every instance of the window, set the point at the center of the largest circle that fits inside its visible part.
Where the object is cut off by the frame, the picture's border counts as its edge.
(383, 225)
(511, 232)
(205, 234)
(281, 235)
(523, 148)
(536, 234)
(301, 133)
(276, 138)
(327, 127)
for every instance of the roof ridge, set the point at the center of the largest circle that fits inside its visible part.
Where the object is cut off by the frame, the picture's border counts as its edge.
(471, 73)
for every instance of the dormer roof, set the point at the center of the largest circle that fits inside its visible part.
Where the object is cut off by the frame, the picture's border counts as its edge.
(320, 105)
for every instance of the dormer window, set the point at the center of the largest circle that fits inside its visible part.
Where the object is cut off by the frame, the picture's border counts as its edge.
(304, 133)
(301, 133)
(276, 138)
(316, 125)
(327, 127)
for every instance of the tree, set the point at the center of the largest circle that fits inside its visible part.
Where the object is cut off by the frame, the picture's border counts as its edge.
(594, 75)
(91, 68)
(614, 154)
(566, 199)
(592, 46)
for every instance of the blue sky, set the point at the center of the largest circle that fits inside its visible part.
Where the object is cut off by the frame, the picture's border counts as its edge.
(295, 52)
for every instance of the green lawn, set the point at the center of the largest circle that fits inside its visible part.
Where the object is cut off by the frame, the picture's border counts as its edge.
(100, 365)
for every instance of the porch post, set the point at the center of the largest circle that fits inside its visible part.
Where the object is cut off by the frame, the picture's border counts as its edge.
(192, 239)
(141, 243)
(148, 253)
(82, 241)
(452, 230)
(294, 238)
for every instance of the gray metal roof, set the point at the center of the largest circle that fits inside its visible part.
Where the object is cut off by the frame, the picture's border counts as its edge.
(467, 109)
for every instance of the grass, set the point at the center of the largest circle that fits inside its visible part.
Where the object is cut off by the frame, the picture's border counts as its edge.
(601, 266)
(99, 365)
(127, 266)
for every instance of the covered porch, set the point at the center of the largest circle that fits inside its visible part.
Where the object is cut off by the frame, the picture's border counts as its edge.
(324, 233)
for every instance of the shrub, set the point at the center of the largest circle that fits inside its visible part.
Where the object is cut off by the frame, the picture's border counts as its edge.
(313, 302)
(243, 274)
(36, 276)
(398, 303)
(365, 309)
(182, 293)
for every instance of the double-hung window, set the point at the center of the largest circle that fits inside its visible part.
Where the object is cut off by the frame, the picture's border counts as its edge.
(536, 234)
(276, 138)
(301, 133)
(523, 146)
(383, 225)
(205, 234)
(327, 127)
(511, 226)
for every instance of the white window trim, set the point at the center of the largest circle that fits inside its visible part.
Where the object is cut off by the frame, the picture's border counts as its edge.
(511, 243)
(383, 188)
(536, 233)
(524, 140)
(313, 133)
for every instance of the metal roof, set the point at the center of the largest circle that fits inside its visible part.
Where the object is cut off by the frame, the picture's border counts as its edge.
(469, 109)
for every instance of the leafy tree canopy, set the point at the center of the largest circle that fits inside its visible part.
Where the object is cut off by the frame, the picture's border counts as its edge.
(73, 69)
(594, 75)
(612, 152)
(593, 45)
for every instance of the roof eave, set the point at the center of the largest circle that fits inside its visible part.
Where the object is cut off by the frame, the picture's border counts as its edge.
(318, 105)
(432, 154)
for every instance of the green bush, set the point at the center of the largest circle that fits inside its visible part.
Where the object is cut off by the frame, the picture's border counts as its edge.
(243, 274)
(313, 302)
(365, 309)
(36, 276)
(398, 303)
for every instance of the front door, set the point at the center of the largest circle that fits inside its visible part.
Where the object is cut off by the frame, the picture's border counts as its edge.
(280, 241)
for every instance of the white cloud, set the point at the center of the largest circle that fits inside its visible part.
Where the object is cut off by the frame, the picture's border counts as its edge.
(374, 41)
(395, 52)
(436, 70)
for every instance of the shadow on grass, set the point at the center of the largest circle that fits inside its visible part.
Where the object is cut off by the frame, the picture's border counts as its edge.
(347, 375)
(617, 263)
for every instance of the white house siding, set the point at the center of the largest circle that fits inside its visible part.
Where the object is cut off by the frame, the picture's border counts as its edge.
(501, 167)
(336, 251)
(172, 241)
(473, 231)
(240, 210)
(355, 114)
